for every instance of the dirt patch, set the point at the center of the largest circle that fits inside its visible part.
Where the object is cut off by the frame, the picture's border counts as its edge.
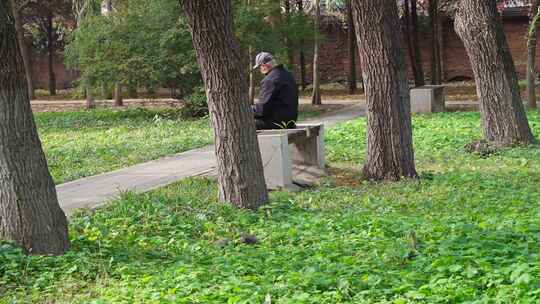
(346, 175)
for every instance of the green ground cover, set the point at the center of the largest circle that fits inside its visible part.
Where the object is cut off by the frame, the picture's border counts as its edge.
(468, 231)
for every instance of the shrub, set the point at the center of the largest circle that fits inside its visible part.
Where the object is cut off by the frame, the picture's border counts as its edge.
(195, 105)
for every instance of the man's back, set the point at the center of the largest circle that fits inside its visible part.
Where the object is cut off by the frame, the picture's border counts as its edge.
(278, 99)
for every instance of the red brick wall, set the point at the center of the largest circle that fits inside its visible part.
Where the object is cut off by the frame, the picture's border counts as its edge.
(456, 66)
(40, 65)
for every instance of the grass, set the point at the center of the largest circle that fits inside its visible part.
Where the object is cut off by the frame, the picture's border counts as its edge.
(468, 231)
(84, 143)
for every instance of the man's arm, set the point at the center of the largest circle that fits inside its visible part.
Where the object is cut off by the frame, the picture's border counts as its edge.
(263, 107)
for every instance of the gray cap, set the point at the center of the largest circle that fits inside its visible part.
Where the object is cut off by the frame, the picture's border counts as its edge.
(262, 58)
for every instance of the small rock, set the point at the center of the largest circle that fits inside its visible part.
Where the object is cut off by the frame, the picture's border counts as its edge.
(249, 239)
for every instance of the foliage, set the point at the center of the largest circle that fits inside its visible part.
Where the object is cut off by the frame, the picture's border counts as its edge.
(79, 144)
(195, 105)
(145, 42)
(466, 232)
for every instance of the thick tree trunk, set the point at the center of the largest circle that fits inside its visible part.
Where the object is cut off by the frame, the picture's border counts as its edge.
(352, 49)
(300, 7)
(51, 51)
(29, 211)
(503, 116)
(436, 71)
(118, 99)
(24, 50)
(389, 151)
(240, 169)
(316, 96)
(531, 53)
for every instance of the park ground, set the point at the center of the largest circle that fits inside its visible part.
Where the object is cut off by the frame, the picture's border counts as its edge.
(466, 231)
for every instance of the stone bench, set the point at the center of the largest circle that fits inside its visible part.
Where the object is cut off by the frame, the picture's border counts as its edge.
(283, 150)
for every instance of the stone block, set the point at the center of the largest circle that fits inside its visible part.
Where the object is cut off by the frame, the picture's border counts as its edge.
(427, 99)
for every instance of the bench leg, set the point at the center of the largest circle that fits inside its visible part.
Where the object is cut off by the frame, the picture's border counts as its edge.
(276, 160)
(310, 151)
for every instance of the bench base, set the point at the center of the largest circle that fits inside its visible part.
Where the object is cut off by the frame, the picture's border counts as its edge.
(283, 150)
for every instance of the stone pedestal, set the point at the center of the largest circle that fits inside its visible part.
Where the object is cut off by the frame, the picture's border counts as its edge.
(427, 99)
(283, 151)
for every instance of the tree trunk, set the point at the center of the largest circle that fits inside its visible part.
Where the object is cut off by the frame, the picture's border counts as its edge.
(503, 116)
(240, 169)
(288, 46)
(389, 151)
(316, 97)
(531, 53)
(251, 75)
(419, 79)
(51, 51)
(118, 100)
(300, 6)
(30, 214)
(411, 32)
(90, 102)
(436, 71)
(24, 50)
(352, 49)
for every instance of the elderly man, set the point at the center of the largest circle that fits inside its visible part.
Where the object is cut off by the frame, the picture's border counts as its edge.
(277, 107)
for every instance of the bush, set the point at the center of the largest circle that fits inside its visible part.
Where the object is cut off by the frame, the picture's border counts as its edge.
(195, 105)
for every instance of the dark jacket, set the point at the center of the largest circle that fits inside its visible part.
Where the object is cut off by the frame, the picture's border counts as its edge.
(278, 98)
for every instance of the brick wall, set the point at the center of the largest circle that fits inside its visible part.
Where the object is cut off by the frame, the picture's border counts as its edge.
(40, 65)
(335, 59)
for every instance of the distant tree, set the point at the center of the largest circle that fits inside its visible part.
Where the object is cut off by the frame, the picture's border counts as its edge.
(30, 214)
(316, 95)
(389, 151)
(503, 117)
(144, 42)
(534, 15)
(436, 26)
(49, 22)
(411, 32)
(17, 8)
(240, 168)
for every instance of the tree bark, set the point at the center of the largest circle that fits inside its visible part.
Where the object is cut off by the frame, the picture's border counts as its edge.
(411, 32)
(419, 78)
(389, 151)
(436, 71)
(30, 214)
(24, 50)
(300, 6)
(240, 169)
(531, 53)
(503, 116)
(352, 49)
(288, 46)
(51, 51)
(90, 102)
(118, 99)
(316, 96)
